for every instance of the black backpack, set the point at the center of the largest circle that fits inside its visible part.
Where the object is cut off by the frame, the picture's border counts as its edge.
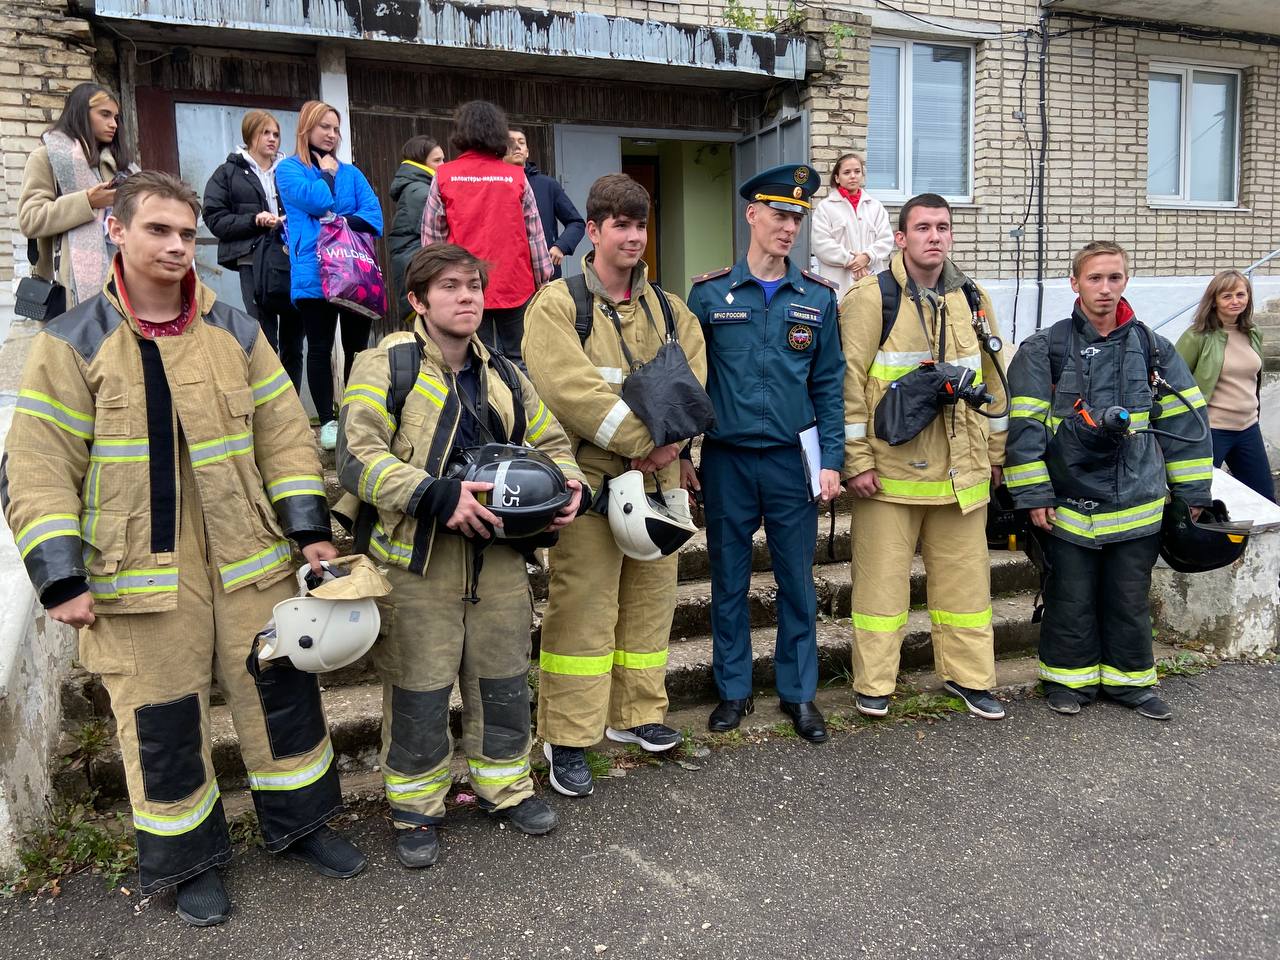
(584, 313)
(891, 296)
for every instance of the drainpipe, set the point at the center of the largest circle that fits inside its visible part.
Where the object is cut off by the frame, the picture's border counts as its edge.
(1042, 164)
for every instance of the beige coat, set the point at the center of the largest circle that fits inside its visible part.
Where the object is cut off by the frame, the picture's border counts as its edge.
(45, 215)
(838, 234)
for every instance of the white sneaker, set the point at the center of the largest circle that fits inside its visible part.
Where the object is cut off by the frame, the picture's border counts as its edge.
(329, 435)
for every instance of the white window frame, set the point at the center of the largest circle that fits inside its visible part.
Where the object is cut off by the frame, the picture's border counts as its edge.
(1182, 198)
(906, 120)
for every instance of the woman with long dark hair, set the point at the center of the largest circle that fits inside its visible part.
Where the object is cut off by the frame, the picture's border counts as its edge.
(850, 234)
(68, 187)
(242, 209)
(1223, 349)
(486, 206)
(313, 184)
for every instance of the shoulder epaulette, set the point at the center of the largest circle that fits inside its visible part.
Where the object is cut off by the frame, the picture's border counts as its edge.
(818, 278)
(711, 275)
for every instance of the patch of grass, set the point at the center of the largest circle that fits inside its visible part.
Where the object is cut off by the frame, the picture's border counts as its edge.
(840, 722)
(1183, 665)
(77, 840)
(633, 755)
(599, 764)
(244, 828)
(91, 738)
(784, 729)
(730, 740)
(924, 706)
(843, 676)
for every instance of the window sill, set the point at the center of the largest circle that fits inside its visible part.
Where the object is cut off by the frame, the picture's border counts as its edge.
(1196, 207)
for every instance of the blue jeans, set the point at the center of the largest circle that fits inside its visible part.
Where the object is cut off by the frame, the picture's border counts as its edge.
(1246, 457)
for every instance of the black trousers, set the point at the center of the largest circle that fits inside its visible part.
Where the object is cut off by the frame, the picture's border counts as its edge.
(501, 330)
(283, 329)
(1096, 631)
(320, 319)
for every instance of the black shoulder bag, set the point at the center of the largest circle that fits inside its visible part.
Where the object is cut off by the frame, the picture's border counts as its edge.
(37, 298)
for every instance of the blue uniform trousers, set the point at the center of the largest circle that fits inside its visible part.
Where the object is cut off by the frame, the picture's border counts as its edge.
(742, 486)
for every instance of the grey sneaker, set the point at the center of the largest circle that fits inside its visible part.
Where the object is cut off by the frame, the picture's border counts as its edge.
(654, 737)
(569, 772)
(871, 706)
(980, 702)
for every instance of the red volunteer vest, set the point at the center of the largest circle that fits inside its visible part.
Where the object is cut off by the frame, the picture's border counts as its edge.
(483, 202)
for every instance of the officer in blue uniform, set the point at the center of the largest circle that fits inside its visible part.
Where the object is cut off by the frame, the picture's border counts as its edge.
(775, 367)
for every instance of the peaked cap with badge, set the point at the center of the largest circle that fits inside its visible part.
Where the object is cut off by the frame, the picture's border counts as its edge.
(786, 187)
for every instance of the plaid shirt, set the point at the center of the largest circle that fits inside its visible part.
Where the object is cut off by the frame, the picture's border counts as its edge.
(435, 229)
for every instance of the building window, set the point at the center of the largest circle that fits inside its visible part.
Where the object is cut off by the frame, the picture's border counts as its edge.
(1193, 135)
(920, 138)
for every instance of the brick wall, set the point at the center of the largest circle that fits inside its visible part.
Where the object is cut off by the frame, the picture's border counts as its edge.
(43, 54)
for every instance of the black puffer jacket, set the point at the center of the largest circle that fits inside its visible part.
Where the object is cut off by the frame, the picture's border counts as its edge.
(233, 197)
(409, 189)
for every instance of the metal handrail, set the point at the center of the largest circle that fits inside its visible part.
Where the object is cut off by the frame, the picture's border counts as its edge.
(1247, 271)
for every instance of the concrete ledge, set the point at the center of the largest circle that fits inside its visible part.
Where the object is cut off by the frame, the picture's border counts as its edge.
(1230, 612)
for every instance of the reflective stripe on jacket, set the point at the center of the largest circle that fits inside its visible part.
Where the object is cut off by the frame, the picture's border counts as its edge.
(1148, 465)
(390, 462)
(950, 460)
(90, 480)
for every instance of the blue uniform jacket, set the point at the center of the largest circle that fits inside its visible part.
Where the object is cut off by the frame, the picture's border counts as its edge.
(772, 371)
(306, 196)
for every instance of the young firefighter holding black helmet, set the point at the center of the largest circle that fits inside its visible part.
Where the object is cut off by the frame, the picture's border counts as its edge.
(426, 416)
(1092, 454)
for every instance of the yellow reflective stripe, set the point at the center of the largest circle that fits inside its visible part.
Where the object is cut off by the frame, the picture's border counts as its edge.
(1194, 398)
(385, 548)
(1140, 419)
(878, 624)
(1070, 677)
(415, 788)
(495, 774)
(301, 485)
(890, 365)
(1032, 407)
(968, 496)
(262, 561)
(44, 407)
(272, 387)
(1200, 468)
(124, 583)
(222, 448)
(1134, 678)
(374, 473)
(640, 661)
(46, 528)
(293, 779)
(433, 390)
(570, 666)
(119, 451)
(946, 618)
(375, 398)
(1026, 474)
(172, 826)
(916, 488)
(540, 422)
(1097, 525)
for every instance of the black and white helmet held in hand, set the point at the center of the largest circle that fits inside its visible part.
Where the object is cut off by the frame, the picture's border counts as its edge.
(648, 526)
(334, 619)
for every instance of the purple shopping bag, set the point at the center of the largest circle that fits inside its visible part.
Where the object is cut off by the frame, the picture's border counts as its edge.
(349, 273)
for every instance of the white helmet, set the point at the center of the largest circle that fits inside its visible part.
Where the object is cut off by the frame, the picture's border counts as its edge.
(334, 619)
(648, 526)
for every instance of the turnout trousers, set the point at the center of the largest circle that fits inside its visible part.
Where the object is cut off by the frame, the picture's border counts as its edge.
(158, 667)
(741, 488)
(1096, 631)
(958, 567)
(432, 638)
(605, 633)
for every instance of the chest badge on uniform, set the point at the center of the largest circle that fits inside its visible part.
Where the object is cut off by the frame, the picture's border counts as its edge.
(800, 337)
(728, 297)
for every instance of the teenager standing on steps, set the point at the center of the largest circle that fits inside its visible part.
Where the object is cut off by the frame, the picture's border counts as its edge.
(157, 460)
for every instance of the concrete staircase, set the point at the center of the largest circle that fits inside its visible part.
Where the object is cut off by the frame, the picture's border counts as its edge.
(1267, 317)
(353, 696)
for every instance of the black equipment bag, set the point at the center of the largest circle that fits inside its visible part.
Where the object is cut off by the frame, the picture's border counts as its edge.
(663, 393)
(39, 299)
(272, 272)
(910, 404)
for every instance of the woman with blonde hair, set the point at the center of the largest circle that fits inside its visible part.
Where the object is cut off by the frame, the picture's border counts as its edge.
(313, 184)
(1223, 349)
(242, 209)
(850, 234)
(68, 186)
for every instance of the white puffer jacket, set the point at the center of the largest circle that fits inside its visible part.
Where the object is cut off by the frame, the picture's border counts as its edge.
(838, 234)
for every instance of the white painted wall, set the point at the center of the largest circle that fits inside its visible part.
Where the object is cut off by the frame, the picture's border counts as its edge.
(332, 60)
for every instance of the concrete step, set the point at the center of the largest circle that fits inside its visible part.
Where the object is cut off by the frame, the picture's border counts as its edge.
(355, 710)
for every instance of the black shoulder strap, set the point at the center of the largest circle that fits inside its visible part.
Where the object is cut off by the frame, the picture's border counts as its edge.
(667, 314)
(972, 295)
(582, 302)
(506, 370)
(890, 297)
(1150, 349)
(1059, 336)
(404, 360)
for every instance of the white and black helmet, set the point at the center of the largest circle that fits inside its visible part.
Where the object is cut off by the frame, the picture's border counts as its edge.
(334, 619)
(529, 490)
(648, 526)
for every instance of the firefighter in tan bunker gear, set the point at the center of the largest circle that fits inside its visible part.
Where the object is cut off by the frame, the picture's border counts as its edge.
(411, 408)
(608, 620)
(157, 461)
(932, 489)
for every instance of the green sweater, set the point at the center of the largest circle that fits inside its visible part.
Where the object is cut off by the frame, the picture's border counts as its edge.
(1204, 353)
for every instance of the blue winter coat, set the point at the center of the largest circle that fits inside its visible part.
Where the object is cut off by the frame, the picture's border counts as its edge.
(307, 196)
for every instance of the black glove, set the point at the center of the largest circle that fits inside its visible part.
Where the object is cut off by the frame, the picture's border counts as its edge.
(439, 500)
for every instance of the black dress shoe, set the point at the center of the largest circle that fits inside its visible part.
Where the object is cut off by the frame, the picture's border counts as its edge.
(728, 714)
(807, 720)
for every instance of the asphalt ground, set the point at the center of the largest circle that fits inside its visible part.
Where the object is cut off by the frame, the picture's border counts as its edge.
(1102, 835)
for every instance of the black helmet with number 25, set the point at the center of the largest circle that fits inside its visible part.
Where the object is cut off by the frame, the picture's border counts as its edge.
(528, 488)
